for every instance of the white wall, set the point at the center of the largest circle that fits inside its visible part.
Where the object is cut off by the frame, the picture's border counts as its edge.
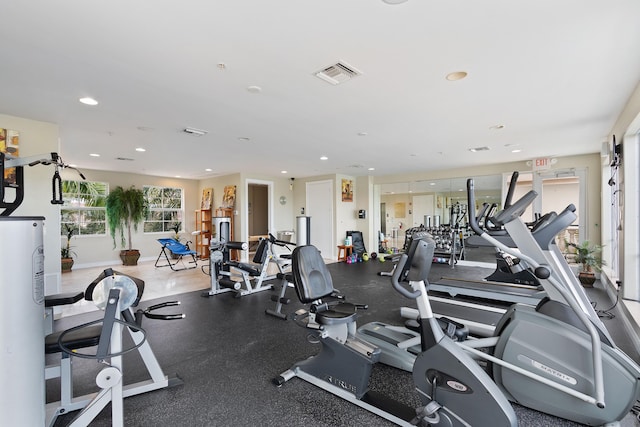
(39, 138)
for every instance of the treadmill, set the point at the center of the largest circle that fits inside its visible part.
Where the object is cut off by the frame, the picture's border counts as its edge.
(511, 282)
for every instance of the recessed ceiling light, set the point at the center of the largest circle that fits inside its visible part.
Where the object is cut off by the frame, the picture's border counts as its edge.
(254, 89)
(94, 155)
(283, 171)
(140, 149)
(517, 150)
(88, 101)
(178, 176)
(324, 158)
(456, 75)
(208, 170)
(432, 183)
(244, 138)
(394, 1)
(496, 127)
(371, 169)
(362, 134)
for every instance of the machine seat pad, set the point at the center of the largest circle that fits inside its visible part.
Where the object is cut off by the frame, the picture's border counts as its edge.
(343, 312)
(80, 338)
(249, 268)
(63, 299)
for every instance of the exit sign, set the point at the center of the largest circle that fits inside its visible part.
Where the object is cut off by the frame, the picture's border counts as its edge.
(542, 163)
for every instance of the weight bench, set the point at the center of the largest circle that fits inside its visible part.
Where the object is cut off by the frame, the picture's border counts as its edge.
(177, 249)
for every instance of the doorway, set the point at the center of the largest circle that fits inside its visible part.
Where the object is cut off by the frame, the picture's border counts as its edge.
(258, 208)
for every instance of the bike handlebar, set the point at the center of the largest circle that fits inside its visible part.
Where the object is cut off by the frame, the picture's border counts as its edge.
(395, 279)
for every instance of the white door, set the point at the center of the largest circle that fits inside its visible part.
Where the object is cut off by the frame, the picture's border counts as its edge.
(422, 205)
(320, 209)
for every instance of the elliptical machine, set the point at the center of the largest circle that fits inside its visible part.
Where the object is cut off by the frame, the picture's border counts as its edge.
(455, 390)
(556, 357)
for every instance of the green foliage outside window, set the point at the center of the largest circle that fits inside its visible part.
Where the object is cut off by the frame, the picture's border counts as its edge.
(84, 207)
(165, 208)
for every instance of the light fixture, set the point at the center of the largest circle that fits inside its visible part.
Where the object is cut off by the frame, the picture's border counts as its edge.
(196, 132)
(208, 170)
(371, 169)
(394, 1)
(221, 66)
(283, 171)
(517, 150)
(94, 155)
(324, 158)
(244, 138)
(88, 101)
(254, 89)
(362, 134)
(140, 150)
(476, 149)
(497, 127)
(456, 75)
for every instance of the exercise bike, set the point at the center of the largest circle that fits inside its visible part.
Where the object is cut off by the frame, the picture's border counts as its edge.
(455, 389)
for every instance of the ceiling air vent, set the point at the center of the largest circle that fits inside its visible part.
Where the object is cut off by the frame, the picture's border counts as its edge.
(337, 73)
(475, 150)
(126, 159)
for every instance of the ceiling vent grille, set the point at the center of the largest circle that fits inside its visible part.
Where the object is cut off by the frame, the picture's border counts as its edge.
(337, 73)
(477, 149)
(124, 159)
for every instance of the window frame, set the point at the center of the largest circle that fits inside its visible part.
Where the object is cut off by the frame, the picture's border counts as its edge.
(164, 211)
(69, 205)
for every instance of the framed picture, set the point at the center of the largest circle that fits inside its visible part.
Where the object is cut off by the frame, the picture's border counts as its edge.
(347, 190)
(10, 144)
(207, 197)
(229, 197)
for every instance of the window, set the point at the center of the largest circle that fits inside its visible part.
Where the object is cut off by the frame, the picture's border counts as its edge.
(165, 208)
(84, 207)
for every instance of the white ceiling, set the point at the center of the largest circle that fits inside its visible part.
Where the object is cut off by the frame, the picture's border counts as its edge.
(556, 73)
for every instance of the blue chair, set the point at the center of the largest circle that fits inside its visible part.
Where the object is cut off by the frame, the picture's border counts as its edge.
(178, 249)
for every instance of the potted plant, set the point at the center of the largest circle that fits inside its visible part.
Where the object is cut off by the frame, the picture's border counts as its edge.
(66, 254)
(126, 208)
(591, 259)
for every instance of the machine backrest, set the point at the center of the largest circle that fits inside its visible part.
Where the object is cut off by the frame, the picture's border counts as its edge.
(261, 251)
(311, 277)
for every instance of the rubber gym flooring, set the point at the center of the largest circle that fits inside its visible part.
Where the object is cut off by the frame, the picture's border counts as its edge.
(227, 351)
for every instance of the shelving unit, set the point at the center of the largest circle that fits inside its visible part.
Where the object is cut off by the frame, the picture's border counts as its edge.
(203, 225)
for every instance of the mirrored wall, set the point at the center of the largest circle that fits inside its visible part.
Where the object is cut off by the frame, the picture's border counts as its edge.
(432, 201)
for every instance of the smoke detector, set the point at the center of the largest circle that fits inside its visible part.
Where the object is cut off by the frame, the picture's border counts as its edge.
(338, 73)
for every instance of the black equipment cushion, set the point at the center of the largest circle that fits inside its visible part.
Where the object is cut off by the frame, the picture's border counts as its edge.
(62, 299)
(80, 338)
(311, 276)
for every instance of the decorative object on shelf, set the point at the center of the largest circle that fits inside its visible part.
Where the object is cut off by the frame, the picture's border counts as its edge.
(591, 259)
(66, 254)
(126, 208)
(229, 197)
(207, 197)
(347, 190)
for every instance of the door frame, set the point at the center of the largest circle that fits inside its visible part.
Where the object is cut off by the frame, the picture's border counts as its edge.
(244, 235)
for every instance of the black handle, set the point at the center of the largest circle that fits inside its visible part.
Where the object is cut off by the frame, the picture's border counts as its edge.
(395, 279)
(56, 183)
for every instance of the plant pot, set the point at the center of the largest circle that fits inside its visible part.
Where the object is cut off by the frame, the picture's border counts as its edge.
(66, 264)
(587, 279)
(130, 257)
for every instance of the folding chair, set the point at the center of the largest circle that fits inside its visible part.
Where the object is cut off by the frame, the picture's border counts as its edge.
(178, 249)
